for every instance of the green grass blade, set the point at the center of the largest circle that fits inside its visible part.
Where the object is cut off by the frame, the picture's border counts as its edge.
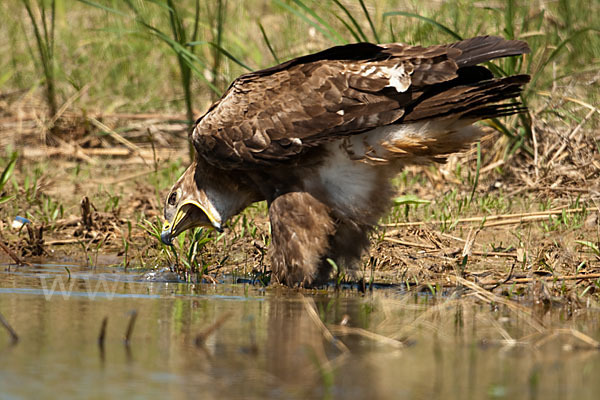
(52, 29)
(190, 58)
(196, 21)
(175, 22)
(222, 51)
(509, 19)
(231, 56)
(332, 35)
(132, 7)
(436, 24)
(591, 245)
(176, 46)
(476, 182)
(6, 199)
(320, 20)
(44, 23)
(509, 29)
(8, 170)
(555, 53)
(499, 126)
(410, 199)
(268, 43)
(45, 55)
(103, 7)
(218, 40)
(364, 8)
(5, 77)
(160, 3)
(350, 29)
(392, 34)
(359, 31)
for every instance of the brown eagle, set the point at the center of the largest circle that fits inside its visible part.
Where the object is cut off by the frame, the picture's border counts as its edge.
(319, 137)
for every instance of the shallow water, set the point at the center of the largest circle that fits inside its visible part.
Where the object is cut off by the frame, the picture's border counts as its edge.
(270, 346)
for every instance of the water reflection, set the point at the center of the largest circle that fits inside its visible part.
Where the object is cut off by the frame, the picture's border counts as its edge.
(272, 345)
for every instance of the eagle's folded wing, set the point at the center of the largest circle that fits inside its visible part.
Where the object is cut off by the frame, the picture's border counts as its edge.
(273, 115)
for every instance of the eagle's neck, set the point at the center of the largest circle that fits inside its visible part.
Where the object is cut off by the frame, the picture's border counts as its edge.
(226, 192)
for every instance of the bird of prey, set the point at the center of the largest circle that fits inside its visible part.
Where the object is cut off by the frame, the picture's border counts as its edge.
(319, 137)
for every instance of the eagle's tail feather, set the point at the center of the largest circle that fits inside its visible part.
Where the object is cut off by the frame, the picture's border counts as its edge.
(484, 48)
(424, 142)
(441, 124)
(468, 101)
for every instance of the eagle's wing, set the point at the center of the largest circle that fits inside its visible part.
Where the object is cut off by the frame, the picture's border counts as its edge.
(271, 116)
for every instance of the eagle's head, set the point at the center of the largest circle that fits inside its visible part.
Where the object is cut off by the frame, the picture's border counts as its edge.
(205, 196)
(188, 206)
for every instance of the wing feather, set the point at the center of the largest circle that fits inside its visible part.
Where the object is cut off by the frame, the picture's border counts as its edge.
(271, 116)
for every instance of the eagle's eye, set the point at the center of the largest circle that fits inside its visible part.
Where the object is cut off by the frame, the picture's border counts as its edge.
(172, 199)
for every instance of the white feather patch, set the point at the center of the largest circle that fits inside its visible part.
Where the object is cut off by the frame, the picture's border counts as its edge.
(371, 143)
(397, 76)
(355, 165)
(347, 182)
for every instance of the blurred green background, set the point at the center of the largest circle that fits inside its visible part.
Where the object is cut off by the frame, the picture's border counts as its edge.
(142, 55)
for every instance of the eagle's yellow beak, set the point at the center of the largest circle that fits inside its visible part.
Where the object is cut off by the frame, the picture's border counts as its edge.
(190, 214)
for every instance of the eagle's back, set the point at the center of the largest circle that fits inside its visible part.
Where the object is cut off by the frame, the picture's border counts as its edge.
(275, 116)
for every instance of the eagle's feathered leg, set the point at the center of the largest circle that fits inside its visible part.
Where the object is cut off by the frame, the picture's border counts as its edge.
(346, 246)
(301, 227)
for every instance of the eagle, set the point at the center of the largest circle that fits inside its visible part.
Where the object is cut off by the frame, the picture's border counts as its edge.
(319, 138)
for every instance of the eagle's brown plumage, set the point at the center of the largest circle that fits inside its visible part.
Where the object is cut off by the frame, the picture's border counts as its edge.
(320, 136)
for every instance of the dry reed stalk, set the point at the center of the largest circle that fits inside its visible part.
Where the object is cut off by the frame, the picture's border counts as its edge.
(410, 244)
(493, 254)
(491, 166)
(25, 117)
(62, 242)
(68, 103)
(310, 306)
(471, 252)
(471, 236)
(130, 326)
(567, 331)
(325, 363)
(445, 235)
(536, 163)
(125, 178)
(490, 297)
(571, 99)
(141, 116)
(13, 335)
(347, 330)
(484, 220)
(146, 156)
(508, 340)
(134, 148)
(74, 149)
(545, 279)
(12, 254)
(570, 137)
(581, 336)
(421, 319)
(201, 337)
(538, 339)
(102, 335)
(521, 220)
(562, 189)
